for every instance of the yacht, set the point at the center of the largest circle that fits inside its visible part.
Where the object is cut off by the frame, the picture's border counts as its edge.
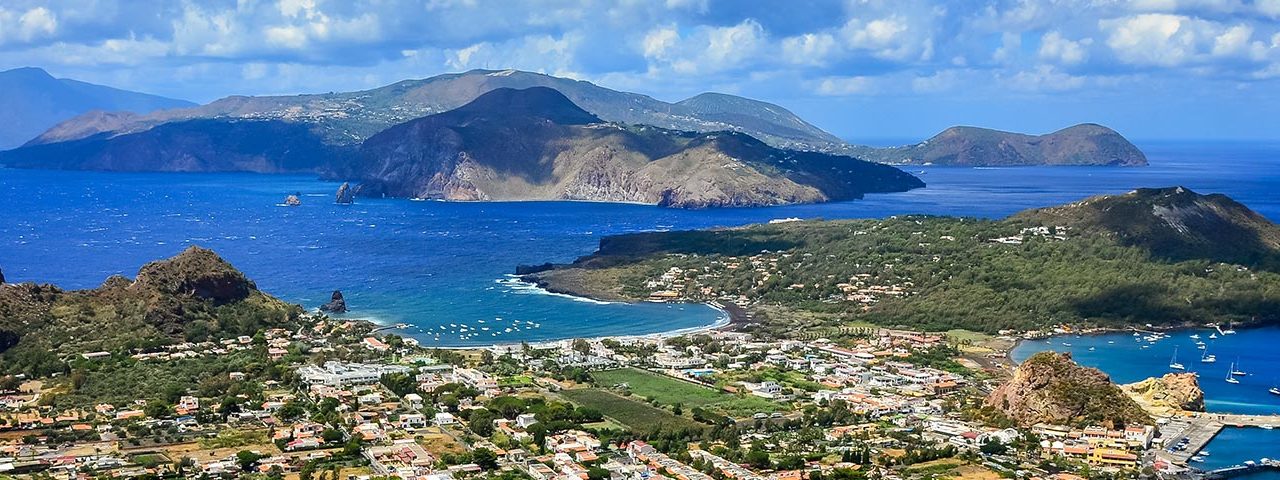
(1235, 368)
(1274, 390)
(1173, 362)
(1213, 336)
(1207, 358)
(1231, 378)
(1195, 336)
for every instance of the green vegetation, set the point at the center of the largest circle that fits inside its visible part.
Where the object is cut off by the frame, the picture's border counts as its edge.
(664, 390)
(954, 275)
(627, 411)
(195, 296)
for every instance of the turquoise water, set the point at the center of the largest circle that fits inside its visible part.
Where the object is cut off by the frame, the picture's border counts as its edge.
(431, 264)
(1124, 357)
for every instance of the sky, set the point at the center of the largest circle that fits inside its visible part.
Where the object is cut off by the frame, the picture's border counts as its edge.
(866, 70)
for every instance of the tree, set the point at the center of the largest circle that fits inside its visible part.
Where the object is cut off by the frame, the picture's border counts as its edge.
(247, 459)
(156, 409)
(481, 422)
(993, 447)
(759, 459)
(485, 458)
(597, 473)
(581, 346)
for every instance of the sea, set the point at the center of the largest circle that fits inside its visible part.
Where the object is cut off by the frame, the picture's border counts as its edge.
(445, 268)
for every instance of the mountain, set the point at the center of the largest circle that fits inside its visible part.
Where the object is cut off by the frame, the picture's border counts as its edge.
(1168, 395)
(1085, 144)
(536, 144)
(1051, 388)
(32, 101)
(193, 296)
(351, 117)
(1173, 222)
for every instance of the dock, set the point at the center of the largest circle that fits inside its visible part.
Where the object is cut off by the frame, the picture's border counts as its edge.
(1202, 428)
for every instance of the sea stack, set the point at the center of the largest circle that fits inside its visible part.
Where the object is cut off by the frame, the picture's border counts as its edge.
(346, 195)
(336, 303)
(292, 200)
(1, 276)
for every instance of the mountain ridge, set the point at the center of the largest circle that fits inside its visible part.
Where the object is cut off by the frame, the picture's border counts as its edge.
(1081, 144)
(499, 148)
(32, 101)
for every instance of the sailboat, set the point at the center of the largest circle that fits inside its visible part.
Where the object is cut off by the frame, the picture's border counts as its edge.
(1213, 336)
(1235, 368)
(1230, 377)
(1206, 358)
(1173, 362)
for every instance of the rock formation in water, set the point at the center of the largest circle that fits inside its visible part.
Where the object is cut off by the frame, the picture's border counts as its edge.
(346, 195)
(292, 200)
(336, 303)
(1168, 394)
(1051, 388)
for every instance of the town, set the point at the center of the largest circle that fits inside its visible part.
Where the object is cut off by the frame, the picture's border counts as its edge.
(340, 399)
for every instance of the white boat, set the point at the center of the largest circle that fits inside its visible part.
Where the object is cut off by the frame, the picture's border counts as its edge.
(1066, 344)
(1230, 377)
(1195, 336)
(1206, 358)
(1274, 390)
(1173, 362)
(1213, 335)
(1235, 369)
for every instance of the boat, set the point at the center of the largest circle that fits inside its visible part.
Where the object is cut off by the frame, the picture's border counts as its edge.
(1274, 390)
(1090, 349)
(1235, 368)
(1230, 377)
(1206, 358)
(1229, 330)
(1173, 362)
(1213, 335)
(1195, 336)
(1066, 344)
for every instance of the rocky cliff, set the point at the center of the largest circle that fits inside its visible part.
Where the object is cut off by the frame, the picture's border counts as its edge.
(1085, 144)
(1167, 395)
(535, 144)
(1051, 388)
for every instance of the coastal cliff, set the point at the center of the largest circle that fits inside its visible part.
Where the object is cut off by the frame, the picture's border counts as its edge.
(1167, 395)
(535, 144)
(1051, 388)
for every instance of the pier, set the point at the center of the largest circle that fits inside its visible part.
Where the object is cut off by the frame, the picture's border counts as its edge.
(1201, 429)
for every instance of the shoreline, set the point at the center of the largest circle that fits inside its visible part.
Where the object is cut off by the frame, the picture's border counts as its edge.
(731, 316)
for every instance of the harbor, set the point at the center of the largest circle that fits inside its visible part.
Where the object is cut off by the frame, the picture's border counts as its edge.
(1186, 438)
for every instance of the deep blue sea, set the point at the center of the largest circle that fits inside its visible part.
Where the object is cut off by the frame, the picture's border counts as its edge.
(432, 264)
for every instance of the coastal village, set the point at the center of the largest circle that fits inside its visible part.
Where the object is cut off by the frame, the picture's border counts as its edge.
(352, 401)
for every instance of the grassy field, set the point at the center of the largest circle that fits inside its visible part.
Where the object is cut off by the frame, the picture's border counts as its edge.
(670, 391)
(625, 410)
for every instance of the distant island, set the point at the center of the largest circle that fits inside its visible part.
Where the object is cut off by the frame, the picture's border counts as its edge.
(32, 101)
(1152, 256)
(411, 139)
(1085, 144)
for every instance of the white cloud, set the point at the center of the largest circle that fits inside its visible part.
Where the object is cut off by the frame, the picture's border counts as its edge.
(843, 86)
(1153, 38)
(1234, 41)
(37, 22)
(1058, 49)
(1043, 78)
(1010, 47)
(808, 49)
(890, 38)
(705, 50)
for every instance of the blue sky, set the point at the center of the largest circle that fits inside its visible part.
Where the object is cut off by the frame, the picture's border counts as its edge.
(863, 69)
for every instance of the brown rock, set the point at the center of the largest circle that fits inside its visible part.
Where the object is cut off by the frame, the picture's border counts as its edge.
(1051, 388)
(1168, 394)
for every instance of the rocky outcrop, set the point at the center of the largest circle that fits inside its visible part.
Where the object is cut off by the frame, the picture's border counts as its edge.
(346, 195)
(292, 200)
(535, 144)
(1167, 395)
(196, 272)
(1, 276)
(194, 296)
(336, 303)
(1051, 388)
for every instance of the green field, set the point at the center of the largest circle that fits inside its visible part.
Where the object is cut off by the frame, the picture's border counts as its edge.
(624, 410)
(670, 391)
